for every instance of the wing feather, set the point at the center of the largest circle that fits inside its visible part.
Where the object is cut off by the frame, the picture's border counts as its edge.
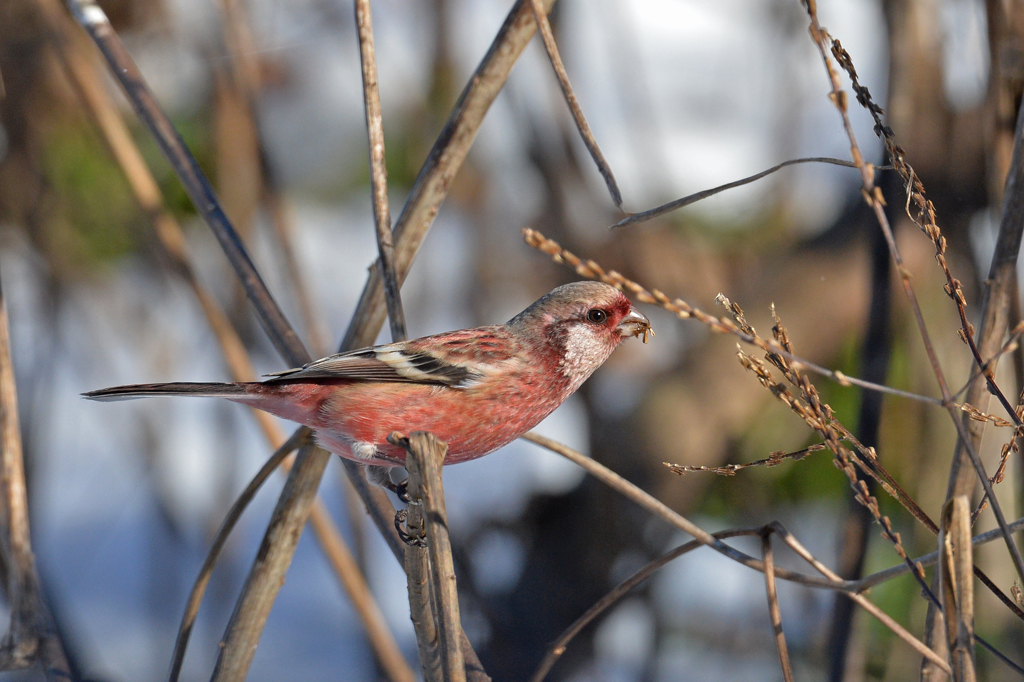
(391, 363)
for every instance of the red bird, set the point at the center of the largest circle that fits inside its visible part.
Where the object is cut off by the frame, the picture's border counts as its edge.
(475, 389)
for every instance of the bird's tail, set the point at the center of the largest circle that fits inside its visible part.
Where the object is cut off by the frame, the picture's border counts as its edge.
(198, 390)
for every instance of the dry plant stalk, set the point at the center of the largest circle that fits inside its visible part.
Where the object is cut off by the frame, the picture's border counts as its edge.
(830, 581)
(425, 457)
(956, 586)
(776, 458)
(417, 571)
(774, 612)
(32, 636)
(378, 170)
(960, 481)
(548, 38)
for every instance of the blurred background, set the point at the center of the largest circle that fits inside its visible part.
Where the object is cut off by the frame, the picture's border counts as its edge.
(682, 95)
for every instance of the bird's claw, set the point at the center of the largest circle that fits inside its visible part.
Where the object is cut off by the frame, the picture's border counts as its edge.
(411, 540)
(402, 490)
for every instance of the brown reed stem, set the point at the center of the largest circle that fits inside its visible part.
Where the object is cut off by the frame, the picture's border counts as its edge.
(238, 645)
(417, 570)
(540, 14)
(195, 598)
(774, 612)
(424, 461)
(378, 170)
(32, 636)
(1000, 289)
(957, 586)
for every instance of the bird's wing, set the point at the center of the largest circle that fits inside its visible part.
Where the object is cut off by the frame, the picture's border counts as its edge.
(444, 360)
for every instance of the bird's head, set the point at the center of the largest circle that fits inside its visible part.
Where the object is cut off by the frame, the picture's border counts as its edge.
(582, 323)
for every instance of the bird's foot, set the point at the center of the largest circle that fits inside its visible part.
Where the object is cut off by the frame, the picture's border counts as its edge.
(411, 540)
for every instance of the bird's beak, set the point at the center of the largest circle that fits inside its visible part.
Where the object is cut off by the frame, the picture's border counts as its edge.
(635, 324)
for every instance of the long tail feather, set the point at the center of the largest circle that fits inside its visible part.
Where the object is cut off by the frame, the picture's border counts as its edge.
(198, 390)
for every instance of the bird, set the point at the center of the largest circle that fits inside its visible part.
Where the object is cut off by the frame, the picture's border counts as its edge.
(475, 389)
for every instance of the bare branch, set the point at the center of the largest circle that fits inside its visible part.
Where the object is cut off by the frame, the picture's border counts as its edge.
(32, 636)
(548, 38)
(268, 570)
(424, 461)
(957, 586)
(378, 170)
(195, 598)
(774, 612)
(677, 204)
(896, 628)
(558, 647)
(417, 570)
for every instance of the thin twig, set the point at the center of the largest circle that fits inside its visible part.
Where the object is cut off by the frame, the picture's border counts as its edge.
(32, 635)
(656, 507)
(558, 647)
(677, 204)
(867, 582)
(896, 628)
(425, 458)
(548, 38)
(378, 170)
(1010, 346)
(831, 581)
(774, 612)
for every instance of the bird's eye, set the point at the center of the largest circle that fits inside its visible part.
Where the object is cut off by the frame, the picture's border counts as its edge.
(597, 316)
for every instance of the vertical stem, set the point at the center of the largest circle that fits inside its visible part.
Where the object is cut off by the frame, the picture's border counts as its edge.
(774, 612)
(426, 455)
(417, 569)
(957, 585)
(32, 635)
(378, 170)
(874, 367)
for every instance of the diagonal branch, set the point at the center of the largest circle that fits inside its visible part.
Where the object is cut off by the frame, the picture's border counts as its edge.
(121, 64)
(548, 38)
